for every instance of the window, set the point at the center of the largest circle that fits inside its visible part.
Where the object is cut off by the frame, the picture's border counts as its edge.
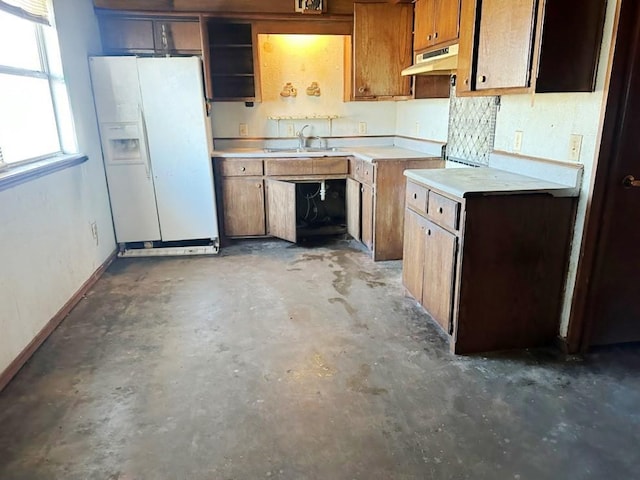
(35, 116)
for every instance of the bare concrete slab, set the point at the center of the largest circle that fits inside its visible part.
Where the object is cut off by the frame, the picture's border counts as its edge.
(285, 362)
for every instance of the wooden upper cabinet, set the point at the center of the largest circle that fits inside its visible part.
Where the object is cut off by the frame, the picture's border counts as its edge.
(381, 49)
(127, 35)
(150, 35)
(505, 44)
(436, 24)
(518, 46)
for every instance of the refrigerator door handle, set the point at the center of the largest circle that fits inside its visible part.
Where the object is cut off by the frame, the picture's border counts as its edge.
(147, 160)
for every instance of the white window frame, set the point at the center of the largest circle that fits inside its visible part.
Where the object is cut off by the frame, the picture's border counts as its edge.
(43, 73)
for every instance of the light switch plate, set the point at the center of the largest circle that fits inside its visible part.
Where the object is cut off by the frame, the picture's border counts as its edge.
(244, 130)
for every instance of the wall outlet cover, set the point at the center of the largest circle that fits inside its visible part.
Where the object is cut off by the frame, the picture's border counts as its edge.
(575, 146)
(362, 128)
(517, 141)
(244, 130)
(291, 130)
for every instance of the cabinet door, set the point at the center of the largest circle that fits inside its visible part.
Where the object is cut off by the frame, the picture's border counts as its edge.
(413, 253)
(505, 46)
(423, 26)
(447, 21)
(439, 274)
(121, 35)
(367, 216)
(174, 36)
(353, 208)
(243, 200)
(281, 207)
(382, 48)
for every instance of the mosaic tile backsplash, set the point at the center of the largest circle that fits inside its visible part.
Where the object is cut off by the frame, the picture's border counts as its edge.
(472, 128)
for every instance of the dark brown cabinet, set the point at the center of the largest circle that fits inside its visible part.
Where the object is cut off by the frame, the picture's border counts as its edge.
(150, 35)
(231, 61)
(436, 24)
(381, 50)
(489, 269)
(518, 46)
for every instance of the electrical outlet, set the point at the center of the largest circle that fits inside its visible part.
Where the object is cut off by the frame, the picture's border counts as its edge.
(417, 129)
(362, 128)
(575, 145)
(244, 130)
(94, 231)
(291, 130)
(517, 141)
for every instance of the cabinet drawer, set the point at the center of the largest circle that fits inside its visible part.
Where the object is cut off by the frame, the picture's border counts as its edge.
(240, 167)
(417, 197)
(363, 172)
(444, 211)
(288, 166)
(330, 166)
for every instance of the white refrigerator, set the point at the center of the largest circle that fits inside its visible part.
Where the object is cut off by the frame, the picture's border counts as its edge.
(156, 145)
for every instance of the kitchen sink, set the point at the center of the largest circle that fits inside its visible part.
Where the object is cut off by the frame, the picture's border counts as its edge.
(301, 150)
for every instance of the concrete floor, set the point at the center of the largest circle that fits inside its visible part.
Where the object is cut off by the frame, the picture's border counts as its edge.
(276, 361)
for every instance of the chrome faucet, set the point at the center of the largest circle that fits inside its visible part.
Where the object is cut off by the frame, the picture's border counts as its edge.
(302, 140)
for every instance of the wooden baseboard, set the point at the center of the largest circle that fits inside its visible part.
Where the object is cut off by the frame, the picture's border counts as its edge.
(14, 367)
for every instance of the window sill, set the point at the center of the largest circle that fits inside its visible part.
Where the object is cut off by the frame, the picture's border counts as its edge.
(10, 176)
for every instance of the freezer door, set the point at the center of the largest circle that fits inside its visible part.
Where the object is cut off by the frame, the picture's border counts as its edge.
(174, 111)
(126, 157)
(116, 88)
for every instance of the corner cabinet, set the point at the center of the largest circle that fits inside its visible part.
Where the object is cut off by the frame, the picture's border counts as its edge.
(489, 269)
(517, 46)
(150, 35)
(436, 24)
(382, 48)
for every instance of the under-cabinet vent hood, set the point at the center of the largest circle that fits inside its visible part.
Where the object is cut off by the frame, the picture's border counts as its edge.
(440, 62)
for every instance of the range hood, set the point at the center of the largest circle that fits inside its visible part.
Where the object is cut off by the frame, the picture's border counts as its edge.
(440, 62)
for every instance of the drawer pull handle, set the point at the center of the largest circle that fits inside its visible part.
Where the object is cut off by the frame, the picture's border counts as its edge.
(415, 196)
(440, 210)
(242, 169)
(429, 232)
(482, 79)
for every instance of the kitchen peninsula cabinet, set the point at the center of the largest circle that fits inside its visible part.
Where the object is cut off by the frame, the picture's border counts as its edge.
(126, 35)
(518, 46)
(436, 24)
(382, 48)
(486, 255)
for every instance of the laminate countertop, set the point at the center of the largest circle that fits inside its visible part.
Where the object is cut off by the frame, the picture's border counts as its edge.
(369, 154)
(467, 182)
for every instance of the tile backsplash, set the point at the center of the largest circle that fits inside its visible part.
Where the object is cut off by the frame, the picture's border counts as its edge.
(472, 128)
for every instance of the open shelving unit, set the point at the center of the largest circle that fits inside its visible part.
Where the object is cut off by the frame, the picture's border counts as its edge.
(232, 72)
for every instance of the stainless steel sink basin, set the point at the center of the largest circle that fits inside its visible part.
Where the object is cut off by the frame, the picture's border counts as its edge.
(301, 150)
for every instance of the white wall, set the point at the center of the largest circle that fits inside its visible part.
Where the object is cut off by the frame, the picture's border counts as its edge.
(301, 60)
(47, 250)
(425, 119)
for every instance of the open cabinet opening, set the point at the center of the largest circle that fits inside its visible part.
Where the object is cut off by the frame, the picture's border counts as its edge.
(321, 208)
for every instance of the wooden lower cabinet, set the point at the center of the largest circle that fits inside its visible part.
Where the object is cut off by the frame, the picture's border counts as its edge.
(366, 221)
(439, 273)
(259, 197)
(244, 206)
(494, 278)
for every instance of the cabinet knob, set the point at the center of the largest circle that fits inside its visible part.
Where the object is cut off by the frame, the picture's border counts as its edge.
(429, 37)
(440, 210)
(362, 89)
(482, 78)
(429, 232)
(415, 196)
(259, 185)
(435, 35)
(466, 81)
(242, 169)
